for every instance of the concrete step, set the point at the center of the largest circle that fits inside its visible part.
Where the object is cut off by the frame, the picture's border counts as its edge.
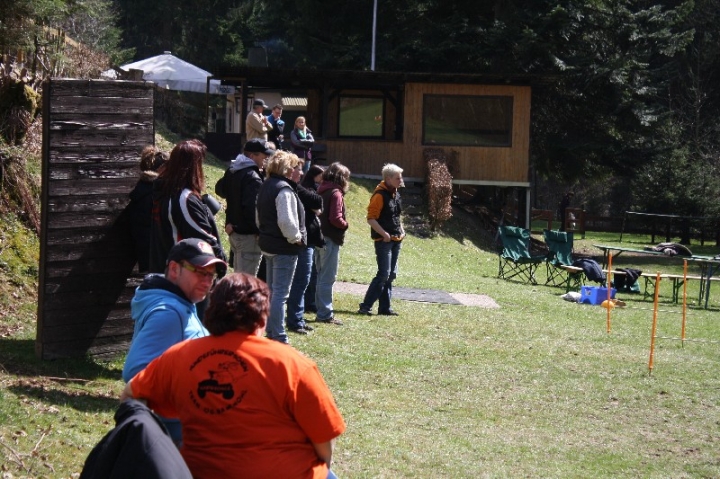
(412, 190)
(412, 210)
(412, 200)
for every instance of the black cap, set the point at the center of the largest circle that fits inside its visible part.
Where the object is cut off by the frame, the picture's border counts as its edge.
(196, 252)
(259, 102)
(258, 145)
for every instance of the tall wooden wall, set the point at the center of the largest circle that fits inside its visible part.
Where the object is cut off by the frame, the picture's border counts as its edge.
(92, 138)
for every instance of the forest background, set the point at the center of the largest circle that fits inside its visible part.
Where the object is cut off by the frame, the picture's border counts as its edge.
(625, 105)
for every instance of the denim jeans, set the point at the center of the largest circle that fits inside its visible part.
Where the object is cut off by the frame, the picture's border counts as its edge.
(296, 300)
(380, 287)
(247, 253)
(310, 291)
(280, 271)
(327, 260)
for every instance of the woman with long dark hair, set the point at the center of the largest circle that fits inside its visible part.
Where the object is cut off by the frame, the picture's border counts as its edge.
(179, 211)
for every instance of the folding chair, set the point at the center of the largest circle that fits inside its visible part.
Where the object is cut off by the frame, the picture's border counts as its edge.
(558, 263)
(514, 258)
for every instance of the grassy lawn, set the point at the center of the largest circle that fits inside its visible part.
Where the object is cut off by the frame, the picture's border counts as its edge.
(536, 388)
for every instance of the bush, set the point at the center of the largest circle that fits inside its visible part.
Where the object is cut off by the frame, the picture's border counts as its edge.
(438, 188)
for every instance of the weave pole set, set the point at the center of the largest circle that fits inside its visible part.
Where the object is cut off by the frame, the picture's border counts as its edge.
(655, 309)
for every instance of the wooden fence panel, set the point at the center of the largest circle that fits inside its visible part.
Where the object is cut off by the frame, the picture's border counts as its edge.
(93, 133)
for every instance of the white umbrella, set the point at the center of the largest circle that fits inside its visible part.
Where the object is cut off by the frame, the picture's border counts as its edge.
(173, 73)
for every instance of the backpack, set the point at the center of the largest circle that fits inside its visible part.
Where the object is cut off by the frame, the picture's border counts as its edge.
(221, 185)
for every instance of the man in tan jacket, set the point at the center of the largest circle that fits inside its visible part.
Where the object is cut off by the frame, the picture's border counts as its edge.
(256, 124)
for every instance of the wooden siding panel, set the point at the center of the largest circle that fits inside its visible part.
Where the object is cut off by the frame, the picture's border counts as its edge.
(102, 89)
(87, 105)
(74, 155)
(93, 134)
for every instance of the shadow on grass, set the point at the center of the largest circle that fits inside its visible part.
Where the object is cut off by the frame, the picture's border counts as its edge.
(78, 399)
(17, 356)
(67, 382)
(463, 226)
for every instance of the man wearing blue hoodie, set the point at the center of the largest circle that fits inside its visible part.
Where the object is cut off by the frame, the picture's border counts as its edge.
(164, 308)
(240, 185)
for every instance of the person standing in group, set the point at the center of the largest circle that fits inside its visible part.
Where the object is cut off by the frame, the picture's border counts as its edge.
(387, 232)
(179, 211)
(256, 124)
(281, 221)
(240, 185)
(302, 141)
(313, 203)
(164, 312)
(333, 222)
(141, 201)
(312, 180)
(250, 407)
(275, 134)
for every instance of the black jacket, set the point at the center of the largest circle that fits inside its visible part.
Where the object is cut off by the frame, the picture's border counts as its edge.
(591, 268)
(176, 218)
(140, 214)
(311, 201)
(137, 447)
(240, 185)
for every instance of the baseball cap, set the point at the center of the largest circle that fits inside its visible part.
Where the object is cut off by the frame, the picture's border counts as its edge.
(260, 102)
(258, 145)
(196, 252)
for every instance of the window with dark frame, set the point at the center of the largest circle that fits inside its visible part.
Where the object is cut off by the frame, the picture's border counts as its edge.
(467, 120)
(361, 117)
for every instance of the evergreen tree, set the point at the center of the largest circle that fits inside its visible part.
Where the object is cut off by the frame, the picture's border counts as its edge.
(205, 34)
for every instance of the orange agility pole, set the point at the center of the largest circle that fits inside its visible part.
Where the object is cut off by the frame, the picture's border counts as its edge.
(608, 285)
(654, 323)
(684, 304)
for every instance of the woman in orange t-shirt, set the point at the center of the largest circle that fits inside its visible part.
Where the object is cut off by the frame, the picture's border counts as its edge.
(250, 407)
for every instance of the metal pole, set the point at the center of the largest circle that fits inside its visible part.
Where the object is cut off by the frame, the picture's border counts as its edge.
(374, 30)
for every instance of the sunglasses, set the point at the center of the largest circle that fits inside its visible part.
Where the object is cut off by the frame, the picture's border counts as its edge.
(198, 271)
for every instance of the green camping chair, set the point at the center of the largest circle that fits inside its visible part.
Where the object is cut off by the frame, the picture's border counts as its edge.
(515, 260)
(560, 271)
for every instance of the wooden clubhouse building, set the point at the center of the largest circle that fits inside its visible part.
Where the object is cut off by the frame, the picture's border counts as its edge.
(366, 119)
